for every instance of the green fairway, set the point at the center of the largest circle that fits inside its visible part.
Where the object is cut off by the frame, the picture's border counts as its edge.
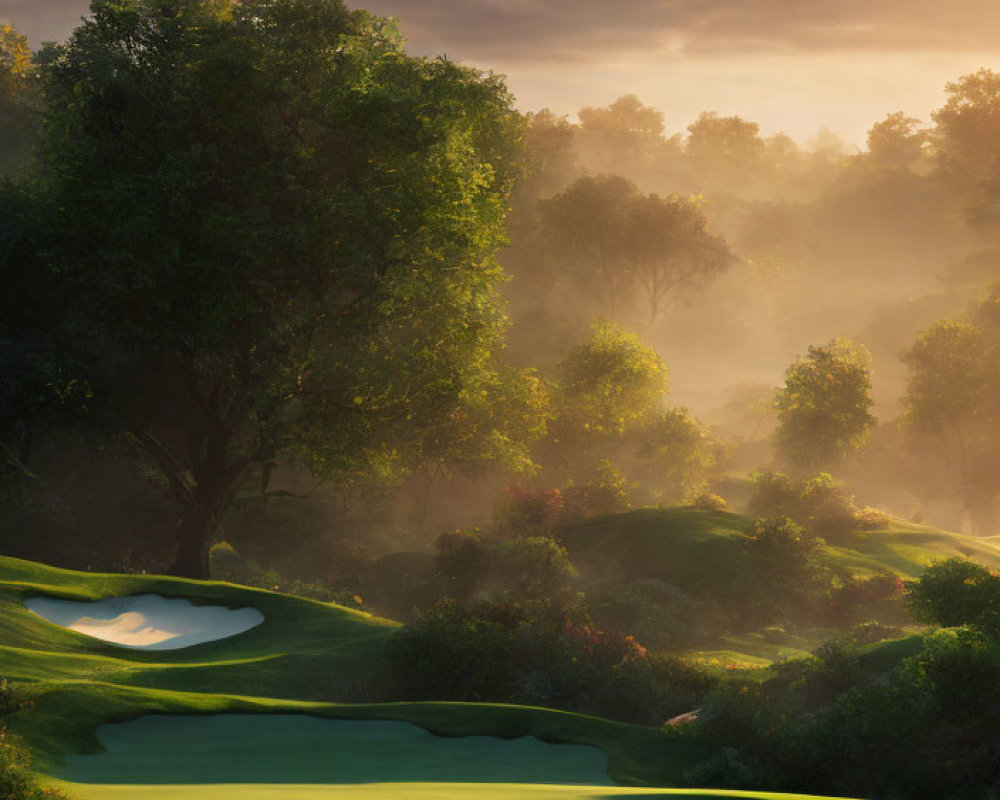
(404, 791)
(285, 748)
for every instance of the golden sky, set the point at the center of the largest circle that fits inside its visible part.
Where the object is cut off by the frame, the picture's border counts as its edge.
(792, 65)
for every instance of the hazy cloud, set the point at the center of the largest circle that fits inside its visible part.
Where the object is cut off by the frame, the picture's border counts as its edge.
(594, 30)
(43, 20)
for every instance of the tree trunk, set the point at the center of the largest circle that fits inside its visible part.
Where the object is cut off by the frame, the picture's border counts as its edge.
(196, 532)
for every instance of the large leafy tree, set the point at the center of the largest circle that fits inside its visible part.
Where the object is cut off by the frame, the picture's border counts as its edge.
(610, 238)
(276, 232)
(824, 408)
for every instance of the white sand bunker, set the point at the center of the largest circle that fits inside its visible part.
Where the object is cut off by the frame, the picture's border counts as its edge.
(146, 621)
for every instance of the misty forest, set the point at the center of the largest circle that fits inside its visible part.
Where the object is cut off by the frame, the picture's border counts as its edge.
(678, 444)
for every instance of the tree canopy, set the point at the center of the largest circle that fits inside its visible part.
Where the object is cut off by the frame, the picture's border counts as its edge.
(824, 407)
(275, 233)
(610, 238)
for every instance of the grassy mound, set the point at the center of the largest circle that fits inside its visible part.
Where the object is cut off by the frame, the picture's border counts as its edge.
(703, 555)
(303, 649)
(700, 550)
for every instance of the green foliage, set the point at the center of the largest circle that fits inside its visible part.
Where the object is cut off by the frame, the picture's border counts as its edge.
(708, 501)
(501, 653)
(610, 434)
(610, 240)
(534, 571)
(787, 569)
(674, 457)
(839, 722)
(824, 407)
(948, 372)
(608, 384)
(19, 100)
(955, 592)
(820, 504)
(17, 780)
(869, 599)
(602, 491)
(306, 273)
(950, 409)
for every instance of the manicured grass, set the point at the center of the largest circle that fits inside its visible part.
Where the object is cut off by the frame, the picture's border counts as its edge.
(404, 791)
(65, 716)
(304, 651)
(296, 748)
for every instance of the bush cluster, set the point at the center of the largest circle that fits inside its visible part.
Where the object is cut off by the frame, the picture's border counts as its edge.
(820, 504)
(503, 653)
(839, 724)
(17, 781)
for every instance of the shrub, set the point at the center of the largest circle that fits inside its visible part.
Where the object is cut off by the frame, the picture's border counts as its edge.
(604, 492)
(880, 597)
(530, 512)
(827, 509)
(706, 501)
(533, 570)
(446, 654)
(774, 495)
(504, 653)
(786, 571)
(874, 631)
(870, 519)
(17, 781)
(460, 562)
(820, 504)
(831, 725)
(955, 592)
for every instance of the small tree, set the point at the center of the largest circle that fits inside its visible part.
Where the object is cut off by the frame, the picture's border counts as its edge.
(950, 409)
(824, 408)
(955, 592)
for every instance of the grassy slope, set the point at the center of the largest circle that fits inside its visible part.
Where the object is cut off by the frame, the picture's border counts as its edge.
(304, 649)
(700, 551)
(701, 548)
